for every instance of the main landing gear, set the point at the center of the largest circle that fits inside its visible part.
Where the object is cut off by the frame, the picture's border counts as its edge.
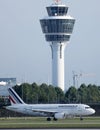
(49, 119)
(55, 119)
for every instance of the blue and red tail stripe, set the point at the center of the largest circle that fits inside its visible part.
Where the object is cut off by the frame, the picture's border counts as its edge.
(11, 99)
(14, 98)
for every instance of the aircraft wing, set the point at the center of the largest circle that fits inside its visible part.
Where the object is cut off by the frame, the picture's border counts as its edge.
(48, 112)
(51, 113)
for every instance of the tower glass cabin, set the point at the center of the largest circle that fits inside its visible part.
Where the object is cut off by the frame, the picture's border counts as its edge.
(57, 27)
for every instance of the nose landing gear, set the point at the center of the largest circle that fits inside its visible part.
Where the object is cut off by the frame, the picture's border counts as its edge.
(81, 118)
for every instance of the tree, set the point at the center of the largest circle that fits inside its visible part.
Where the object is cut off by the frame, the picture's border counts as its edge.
(43, 93)
(52, 96)
(83, 94)
(35, 93)
(71, 95)
(60, 95)
(26, 91)
(93, 93)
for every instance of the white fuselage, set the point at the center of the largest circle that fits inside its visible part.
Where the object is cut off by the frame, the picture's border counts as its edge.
(43, 110)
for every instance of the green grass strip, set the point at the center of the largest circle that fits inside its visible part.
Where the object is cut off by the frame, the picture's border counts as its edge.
(37, 122)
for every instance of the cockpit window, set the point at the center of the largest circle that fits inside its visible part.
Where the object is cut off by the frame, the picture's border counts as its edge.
(87, 107)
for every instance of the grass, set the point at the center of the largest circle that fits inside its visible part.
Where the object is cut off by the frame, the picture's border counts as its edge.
(38, 122)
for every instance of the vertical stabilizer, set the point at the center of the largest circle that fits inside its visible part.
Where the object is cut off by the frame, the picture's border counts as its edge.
(14, 98)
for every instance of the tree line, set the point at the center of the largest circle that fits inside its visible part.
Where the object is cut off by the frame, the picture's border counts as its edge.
(33, 93)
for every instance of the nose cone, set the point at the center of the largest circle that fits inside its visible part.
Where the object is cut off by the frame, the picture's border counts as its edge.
(93, 111)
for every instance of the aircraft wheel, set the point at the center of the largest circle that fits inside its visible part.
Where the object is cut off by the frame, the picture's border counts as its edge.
(55, 119)
(81, 118)
(48, 119)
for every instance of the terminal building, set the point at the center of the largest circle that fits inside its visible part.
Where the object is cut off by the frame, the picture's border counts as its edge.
(5, 83)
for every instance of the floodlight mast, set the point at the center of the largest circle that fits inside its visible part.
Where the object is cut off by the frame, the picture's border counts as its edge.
(57, 27)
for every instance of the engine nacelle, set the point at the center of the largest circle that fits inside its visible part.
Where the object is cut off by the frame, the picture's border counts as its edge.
(59, 115)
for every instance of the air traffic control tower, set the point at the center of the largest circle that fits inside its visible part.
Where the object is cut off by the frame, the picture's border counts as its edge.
(57, 27)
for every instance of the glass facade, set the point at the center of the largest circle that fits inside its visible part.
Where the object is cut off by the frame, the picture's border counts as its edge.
(58, 38)
(57, 25)
(57, 11)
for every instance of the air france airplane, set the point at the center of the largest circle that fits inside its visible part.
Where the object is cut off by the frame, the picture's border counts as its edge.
(57, 111)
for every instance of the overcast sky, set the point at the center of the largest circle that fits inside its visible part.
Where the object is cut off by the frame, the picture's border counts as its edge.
(26, 55)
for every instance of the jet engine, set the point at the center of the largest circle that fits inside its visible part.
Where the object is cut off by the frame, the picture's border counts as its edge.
(59, 115)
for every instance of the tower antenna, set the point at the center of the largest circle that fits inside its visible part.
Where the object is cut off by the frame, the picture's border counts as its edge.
(57, 1)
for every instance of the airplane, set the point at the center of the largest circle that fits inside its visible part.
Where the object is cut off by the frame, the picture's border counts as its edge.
(55, 111)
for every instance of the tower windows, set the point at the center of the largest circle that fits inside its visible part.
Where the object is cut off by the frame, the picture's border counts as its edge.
(57, 25)
(59, 38)
(59, 11)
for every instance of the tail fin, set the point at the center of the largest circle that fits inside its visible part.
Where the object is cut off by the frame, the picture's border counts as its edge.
(14, 98)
